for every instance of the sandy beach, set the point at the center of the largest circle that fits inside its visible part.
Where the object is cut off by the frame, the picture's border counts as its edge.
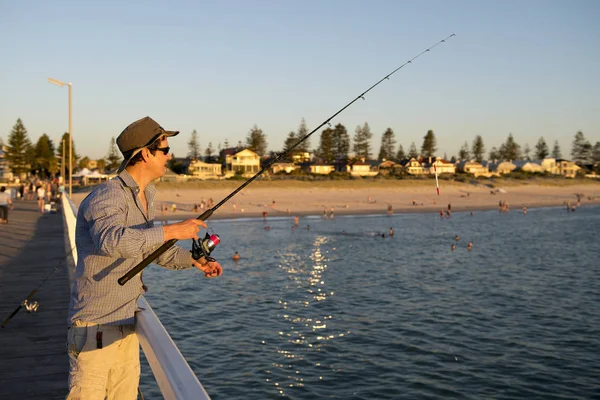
(298, 198)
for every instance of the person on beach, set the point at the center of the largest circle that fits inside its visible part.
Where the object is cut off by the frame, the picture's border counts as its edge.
(391, 231)
(114, 232)
(41, 195)
(5, 204)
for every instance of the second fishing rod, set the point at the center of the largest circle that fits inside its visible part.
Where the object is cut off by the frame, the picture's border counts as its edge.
(203, 247)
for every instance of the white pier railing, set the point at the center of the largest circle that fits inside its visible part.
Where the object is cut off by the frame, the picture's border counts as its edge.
(174, 376)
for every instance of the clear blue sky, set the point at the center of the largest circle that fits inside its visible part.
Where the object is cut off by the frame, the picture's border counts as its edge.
(526, 67)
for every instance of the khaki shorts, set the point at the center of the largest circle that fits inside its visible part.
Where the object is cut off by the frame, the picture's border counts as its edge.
(111, 372)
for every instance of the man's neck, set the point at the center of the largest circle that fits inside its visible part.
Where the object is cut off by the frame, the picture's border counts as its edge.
(140, 177)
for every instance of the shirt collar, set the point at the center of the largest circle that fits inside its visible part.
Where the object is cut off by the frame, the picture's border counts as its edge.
(131, 183)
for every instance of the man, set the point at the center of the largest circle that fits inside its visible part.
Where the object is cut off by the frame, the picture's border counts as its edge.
(114, 232)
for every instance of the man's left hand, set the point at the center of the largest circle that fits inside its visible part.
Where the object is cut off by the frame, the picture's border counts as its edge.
(211, 269)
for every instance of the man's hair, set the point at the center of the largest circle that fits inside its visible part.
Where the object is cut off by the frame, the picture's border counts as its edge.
(139, 158)
(3, 189)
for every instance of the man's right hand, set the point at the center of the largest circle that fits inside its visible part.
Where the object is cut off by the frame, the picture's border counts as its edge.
(187, 229)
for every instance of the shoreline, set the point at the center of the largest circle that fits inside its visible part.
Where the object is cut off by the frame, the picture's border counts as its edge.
(228, 216)
(304, 199)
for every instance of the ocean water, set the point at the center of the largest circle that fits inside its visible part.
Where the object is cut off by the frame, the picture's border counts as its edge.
(340, 312)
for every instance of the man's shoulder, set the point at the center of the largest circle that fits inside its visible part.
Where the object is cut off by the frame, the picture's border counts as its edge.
(111, 190)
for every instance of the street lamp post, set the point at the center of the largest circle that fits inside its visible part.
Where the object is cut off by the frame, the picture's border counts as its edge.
(62, 84)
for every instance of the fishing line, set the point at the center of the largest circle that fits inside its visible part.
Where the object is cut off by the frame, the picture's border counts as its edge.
(167, 245)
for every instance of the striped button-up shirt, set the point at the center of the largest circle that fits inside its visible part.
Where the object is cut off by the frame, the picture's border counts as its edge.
(113, 234)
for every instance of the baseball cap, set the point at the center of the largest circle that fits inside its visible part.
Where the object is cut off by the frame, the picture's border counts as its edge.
(138, 135)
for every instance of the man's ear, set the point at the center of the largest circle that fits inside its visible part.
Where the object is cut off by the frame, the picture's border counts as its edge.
(145, 154)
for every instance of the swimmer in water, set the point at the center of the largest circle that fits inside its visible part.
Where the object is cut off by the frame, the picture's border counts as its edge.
(236, 256)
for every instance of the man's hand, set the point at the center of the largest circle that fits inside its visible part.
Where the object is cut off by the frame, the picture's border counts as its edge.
(187, 229)
(211, 269)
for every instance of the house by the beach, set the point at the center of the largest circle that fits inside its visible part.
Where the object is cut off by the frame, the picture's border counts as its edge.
(244, 162)
(300, 157)
(282, 166)
(363, 167)
(442, 166)
(474, 168)
(567, 168)
(529, 166)
(549, 165)
(501, 167)
(203, 170)
(317, 168)
(413, 167)
(387, 167)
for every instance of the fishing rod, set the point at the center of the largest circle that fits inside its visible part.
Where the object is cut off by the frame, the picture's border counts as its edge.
(168, 244)
(33, 307)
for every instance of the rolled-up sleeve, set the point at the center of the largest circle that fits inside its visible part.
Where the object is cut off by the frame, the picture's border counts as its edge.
(175, 258)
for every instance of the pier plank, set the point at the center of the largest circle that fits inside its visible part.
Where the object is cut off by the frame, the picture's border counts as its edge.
(33, 358)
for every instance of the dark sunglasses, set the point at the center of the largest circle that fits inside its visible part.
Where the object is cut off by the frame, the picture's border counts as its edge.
(165, 150)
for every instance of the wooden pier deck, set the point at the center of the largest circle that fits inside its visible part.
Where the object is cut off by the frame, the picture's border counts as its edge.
(33, 358)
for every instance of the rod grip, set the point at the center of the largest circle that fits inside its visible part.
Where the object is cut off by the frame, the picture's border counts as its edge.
(146, 261)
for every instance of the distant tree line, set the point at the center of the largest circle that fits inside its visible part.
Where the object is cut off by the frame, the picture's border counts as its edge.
(45, 158)
(335, 145)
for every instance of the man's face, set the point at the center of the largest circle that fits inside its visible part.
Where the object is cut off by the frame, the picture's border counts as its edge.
(158, 161)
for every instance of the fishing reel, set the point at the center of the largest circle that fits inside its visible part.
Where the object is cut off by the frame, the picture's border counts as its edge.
(203, 247)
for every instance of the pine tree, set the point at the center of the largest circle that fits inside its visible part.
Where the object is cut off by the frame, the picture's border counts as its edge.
(208, 152)
(596, 153)
(581, 152)
(526, 151)
(463, 153)
(114, 156)
(429, 146)
(101, 165)
(400, 154)
(289, 142)
(326, 152)
(257, 141)
(17, 149)
(510, 150)
(478, 149)
(362, 141)
(388, 143)
(541, 149)
(556, 153)
(412, 151)
(303, 147)
(194, 146)
(83, 162)
(43, 156)
(341, 143)
(495, 154)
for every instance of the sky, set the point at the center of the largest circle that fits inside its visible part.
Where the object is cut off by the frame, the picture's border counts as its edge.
(530, 68)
